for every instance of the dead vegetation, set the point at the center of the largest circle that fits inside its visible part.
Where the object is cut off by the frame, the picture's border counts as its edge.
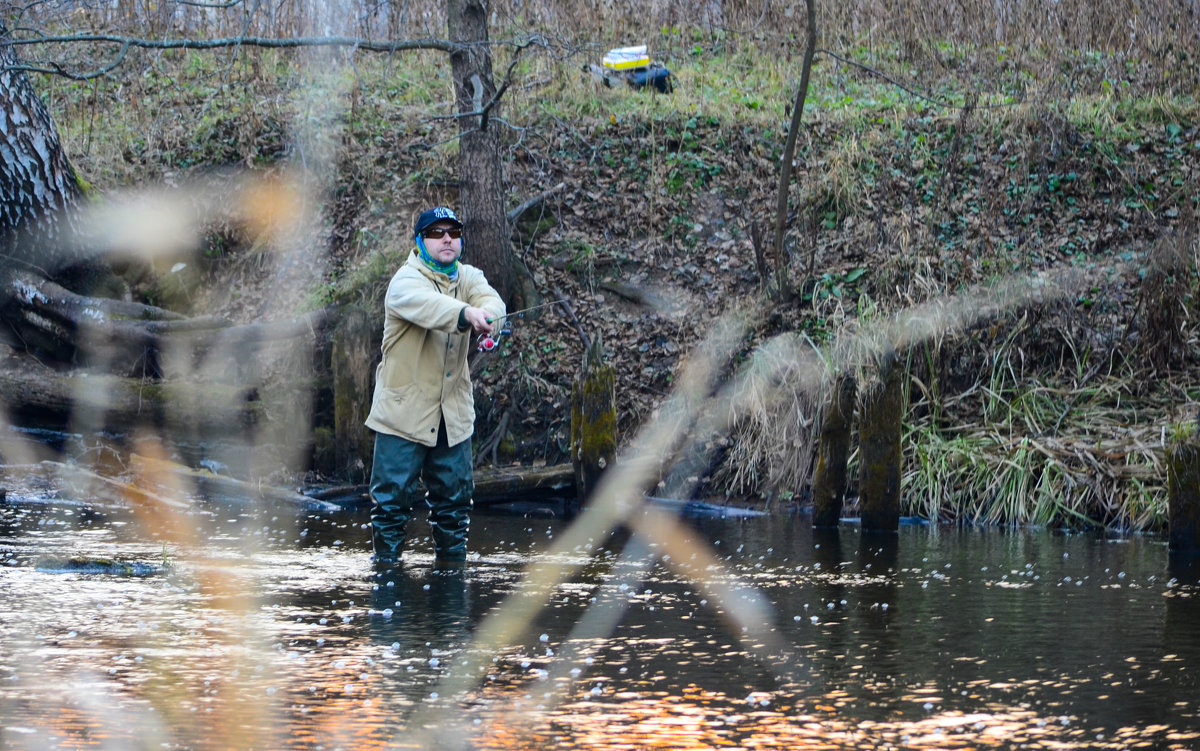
(1016, 142)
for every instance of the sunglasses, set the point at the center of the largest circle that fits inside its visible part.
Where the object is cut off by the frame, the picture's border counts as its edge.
(436, 233)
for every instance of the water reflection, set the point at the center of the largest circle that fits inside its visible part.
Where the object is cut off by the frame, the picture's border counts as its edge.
(277, 632)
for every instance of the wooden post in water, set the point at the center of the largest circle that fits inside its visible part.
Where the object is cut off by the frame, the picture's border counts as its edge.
(1183, 495)
(881, 416)
(352, 359)
(833, 451)
(593, 420)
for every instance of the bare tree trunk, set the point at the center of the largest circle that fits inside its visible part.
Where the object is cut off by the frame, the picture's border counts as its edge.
(789, 152)
(38, 186)
(353, 360)
(481, 173)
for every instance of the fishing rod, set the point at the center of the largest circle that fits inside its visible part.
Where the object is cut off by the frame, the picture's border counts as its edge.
(488, 342)
(523, 311)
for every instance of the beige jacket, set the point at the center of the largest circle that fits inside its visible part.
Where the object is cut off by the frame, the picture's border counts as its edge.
(423, 377)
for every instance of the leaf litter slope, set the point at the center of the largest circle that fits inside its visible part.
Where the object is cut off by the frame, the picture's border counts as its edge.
(649, 241)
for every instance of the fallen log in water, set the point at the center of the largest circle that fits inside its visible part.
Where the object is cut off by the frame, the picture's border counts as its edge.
(165, 473)
(174, 484)
(702, 509)
(168, 484)
(85, 483)
(493, 485)
(220, 381)
(119, 403)
(502, 484)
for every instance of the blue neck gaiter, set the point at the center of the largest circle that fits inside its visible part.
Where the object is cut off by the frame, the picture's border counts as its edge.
(449, 269)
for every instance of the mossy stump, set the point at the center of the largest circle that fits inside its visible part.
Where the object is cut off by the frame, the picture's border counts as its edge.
(881, 416)
(593, 420)
(833, 451)
(1183, 496)
(352, 358)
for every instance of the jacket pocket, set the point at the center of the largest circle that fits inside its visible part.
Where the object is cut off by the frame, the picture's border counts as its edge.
(396, 406)
(394, 398)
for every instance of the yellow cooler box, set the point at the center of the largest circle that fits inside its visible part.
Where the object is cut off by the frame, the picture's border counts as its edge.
(624, 58)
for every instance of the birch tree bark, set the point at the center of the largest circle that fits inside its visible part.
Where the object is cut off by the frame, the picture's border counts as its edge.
(38, 185)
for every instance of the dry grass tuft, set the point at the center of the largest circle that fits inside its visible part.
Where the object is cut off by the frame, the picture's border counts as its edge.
(1167, 303)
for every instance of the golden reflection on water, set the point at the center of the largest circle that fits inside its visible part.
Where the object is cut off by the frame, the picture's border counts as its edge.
(199, 688)
(340, 714)
(703, 719)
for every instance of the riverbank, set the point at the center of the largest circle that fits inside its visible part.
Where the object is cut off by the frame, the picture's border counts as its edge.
(1044, 411)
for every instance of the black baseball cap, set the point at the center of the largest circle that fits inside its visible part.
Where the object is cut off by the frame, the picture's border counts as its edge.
(433, 216)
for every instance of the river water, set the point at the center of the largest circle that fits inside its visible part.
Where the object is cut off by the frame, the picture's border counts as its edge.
(228, 624)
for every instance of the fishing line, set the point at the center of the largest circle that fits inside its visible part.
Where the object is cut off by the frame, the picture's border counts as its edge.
(488, 342)
(523, 311)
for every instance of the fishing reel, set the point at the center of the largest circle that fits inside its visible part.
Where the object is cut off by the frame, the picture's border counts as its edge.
(488, 342)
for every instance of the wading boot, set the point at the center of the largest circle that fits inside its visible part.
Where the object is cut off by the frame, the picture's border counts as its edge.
(395, 486)
(448, 476)
(388, 520)
(386, 548)
(450, 529)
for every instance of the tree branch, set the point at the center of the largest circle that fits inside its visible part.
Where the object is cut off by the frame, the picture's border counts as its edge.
(940, 101)
(562, 300)
(208, 44)
(516, 213)
(219, 6)
(58, 70)
(880, 74)
(487, 108)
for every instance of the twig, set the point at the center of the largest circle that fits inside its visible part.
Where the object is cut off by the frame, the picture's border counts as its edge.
(562, 299)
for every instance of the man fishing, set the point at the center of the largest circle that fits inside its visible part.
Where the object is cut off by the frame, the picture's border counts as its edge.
(423, 410)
